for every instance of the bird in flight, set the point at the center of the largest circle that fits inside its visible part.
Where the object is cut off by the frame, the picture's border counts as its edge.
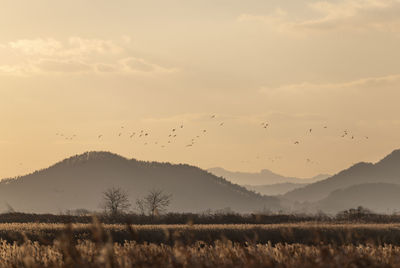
(310, 130)
(296, 142)
(100, 136)
(119, 135)
(213, 116)
(221, 124)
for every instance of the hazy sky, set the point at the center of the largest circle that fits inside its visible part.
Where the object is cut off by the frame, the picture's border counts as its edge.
(87, 68)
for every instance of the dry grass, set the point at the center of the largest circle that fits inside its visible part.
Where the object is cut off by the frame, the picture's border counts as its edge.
(83, 245)
(222, 254)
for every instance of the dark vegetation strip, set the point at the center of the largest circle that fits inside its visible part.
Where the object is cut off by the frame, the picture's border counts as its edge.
(308, 234)
(185, 218)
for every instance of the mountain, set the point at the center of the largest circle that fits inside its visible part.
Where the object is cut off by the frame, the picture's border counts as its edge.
(379, 197)
(275, 189)
(264, 177)
(385, 171)
(79, 181)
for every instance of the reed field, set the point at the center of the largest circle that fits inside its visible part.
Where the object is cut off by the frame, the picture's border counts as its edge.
(218, 245)
(305, 233)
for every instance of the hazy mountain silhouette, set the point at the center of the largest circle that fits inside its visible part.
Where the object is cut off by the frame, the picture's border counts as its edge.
(385, 171)
(78, 182)
(379, 197)
(264, 177)
(275, 189)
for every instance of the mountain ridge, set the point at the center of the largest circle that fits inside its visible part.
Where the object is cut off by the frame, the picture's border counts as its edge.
(78, 182)
(387, 170)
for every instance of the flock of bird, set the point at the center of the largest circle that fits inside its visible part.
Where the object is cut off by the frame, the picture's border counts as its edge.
(174, 133)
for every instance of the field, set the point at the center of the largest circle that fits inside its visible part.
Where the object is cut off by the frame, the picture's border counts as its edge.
(221, 254)
(304, 233)
(309, 244)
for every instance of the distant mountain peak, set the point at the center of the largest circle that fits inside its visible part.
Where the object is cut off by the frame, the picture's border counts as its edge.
(263, 177)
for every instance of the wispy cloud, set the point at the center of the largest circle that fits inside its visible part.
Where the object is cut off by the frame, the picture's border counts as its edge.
(350, 15)
(76, 55)
(359, 85)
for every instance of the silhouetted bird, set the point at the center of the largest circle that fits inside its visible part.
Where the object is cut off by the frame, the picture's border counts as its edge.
(296, 142)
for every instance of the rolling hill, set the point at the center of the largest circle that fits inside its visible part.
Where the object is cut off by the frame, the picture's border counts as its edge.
(264, 177)
(385, 171)
(379, 197)
(79, 181)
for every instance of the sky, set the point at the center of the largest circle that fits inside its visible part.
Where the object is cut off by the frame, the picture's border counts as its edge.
(73, 70)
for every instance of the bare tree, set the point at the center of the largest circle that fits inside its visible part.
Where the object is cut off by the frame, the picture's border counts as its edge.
(115, 201)
(141, 206)
(154, 203)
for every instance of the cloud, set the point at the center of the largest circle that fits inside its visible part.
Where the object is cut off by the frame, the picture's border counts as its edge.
(44, 47)
(74, 46)
(138, 65)
(363, 85)
(76, 55)
(350, 15)
(63, 66)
